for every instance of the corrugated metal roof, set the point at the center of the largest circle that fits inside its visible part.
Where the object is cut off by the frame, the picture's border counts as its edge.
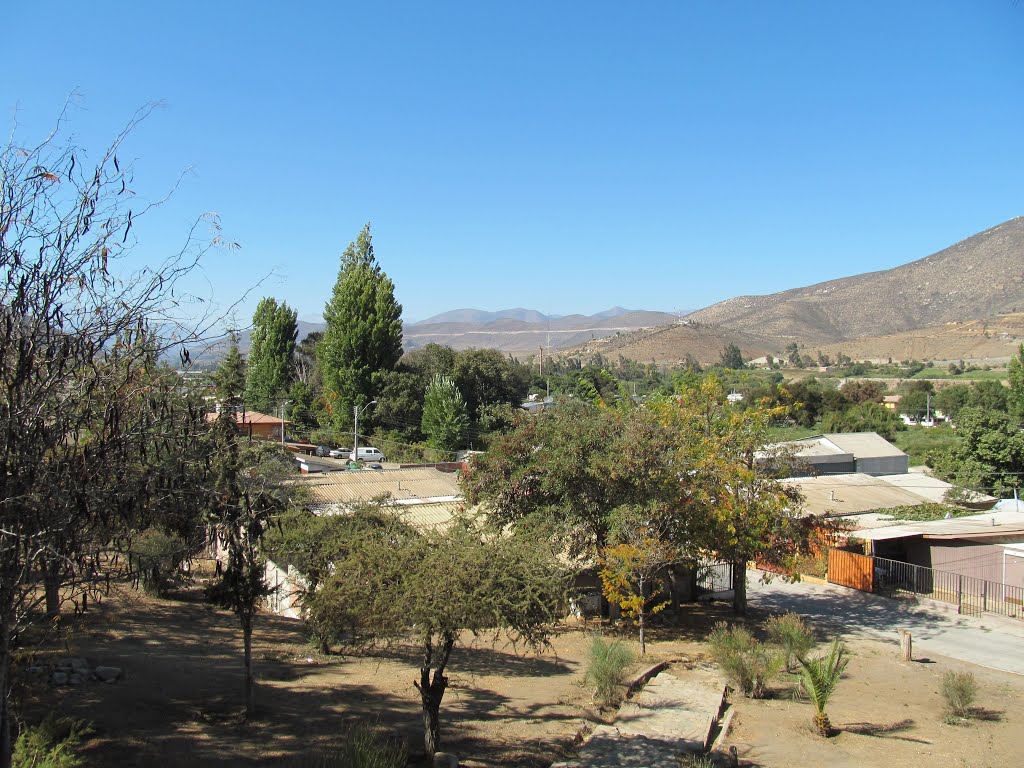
(864, 445)
(818, 446)
(397, 484)
(850, 494)
(932, 488)
(987, 524)
(436, 514)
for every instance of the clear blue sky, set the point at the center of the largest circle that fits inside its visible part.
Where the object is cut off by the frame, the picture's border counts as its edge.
(562, 156)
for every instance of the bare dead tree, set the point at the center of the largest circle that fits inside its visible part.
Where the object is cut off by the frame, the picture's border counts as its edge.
(84, 419)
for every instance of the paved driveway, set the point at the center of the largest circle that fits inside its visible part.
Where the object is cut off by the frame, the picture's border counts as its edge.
(987, 640)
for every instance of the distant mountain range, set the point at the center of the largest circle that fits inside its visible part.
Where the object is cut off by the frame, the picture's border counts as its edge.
(482, 317)
(966, 301)
(518, 331)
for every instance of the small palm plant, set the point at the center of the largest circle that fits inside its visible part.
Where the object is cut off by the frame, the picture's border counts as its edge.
(820, 676)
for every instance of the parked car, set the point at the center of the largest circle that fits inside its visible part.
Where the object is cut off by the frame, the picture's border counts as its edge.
(375, 466)
(366, 453)
(340, 453)
(323, 450)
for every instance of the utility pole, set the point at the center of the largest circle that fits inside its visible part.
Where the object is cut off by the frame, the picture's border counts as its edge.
(355, 434)
(281, 411)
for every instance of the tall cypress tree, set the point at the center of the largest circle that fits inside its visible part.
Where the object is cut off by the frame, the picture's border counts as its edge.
(229, 378)
(363, 333)
(270, 366)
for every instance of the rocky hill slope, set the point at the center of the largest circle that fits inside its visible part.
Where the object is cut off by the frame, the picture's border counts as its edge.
(977, 278)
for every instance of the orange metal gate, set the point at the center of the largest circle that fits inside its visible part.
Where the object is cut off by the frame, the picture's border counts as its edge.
(849, 569)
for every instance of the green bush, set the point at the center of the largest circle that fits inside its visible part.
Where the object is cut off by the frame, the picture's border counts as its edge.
(746, 663)
(157, 555)
(51, 744)
(958, 690)
(606, 669)
(364, 747)
(792, 635)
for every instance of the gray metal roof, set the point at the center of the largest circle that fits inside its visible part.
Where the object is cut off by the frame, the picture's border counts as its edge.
(864, 445)
(989, 524)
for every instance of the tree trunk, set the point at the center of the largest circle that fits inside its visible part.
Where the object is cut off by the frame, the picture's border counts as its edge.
(6, 746)
(431, 717)
(739, 586)
(250, 706)
(432, 690)
(51, 587)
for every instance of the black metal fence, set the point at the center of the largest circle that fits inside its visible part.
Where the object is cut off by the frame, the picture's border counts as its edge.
(714, 577)
(968, 593)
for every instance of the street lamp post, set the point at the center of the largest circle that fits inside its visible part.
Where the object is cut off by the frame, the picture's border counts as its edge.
(356, 410)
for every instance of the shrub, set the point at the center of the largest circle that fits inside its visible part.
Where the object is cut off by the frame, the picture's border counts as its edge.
(364, 747)
(958, 691)
(157, 555)
(747, 663)
(792, 635)
(606, 669)
(51, 744)
(697, 761)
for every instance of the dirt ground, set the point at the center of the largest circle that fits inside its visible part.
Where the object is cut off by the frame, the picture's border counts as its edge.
(179, 700)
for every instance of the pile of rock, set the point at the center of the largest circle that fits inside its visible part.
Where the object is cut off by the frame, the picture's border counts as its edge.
(73, 671)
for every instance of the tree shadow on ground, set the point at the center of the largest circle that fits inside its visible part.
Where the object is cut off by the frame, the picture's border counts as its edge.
(882, 730)
(179, 702)
(479, 660)
(987, 715)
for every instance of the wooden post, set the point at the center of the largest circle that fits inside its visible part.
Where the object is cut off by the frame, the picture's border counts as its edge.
(906, 652)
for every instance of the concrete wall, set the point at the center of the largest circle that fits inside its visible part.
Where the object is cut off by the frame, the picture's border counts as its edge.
(285, 584)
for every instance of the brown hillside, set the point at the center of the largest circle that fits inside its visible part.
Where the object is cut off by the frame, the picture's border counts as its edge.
(977, 278)
(990, 341)
(672, 343)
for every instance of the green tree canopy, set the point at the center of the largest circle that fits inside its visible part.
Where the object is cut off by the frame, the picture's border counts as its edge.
(270, 366)
(364, 330)
(687, 461)
(731, 357)
(487, 377)
(990, 395)
(866, 417)
(445, 419)
(863, 391)
(394, 583)
(990, 456)
(952, 399)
